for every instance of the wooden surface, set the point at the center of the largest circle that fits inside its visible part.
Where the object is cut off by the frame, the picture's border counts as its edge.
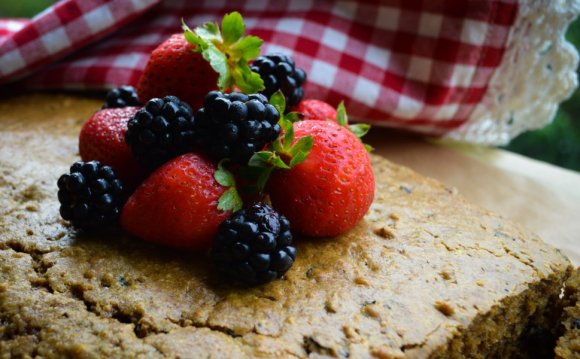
(543, 198)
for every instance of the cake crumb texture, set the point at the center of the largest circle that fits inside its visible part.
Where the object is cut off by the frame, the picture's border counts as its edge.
(424, 274)
(568, 345)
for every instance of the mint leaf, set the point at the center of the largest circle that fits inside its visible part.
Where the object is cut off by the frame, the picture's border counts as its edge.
(359, 129)
(228, 52)
(233, 27)
(341, 117)
(230, 200)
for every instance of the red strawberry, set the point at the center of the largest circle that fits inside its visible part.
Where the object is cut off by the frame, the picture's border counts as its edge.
(102, 138)
(174, 69)
(331, 191)
(177, 205)
(316, 110)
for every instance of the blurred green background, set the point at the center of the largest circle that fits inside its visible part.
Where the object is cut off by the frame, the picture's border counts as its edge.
(557, 143)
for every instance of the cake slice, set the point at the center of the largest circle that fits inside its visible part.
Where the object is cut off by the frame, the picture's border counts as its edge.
(424, 274)
(568, 345)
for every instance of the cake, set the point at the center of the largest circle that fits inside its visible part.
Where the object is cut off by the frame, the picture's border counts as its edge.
(424, 274)
(568, 345)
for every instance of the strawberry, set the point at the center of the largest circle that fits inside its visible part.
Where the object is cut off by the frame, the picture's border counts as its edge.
(332, 189)
(313, 109)
(181, 204)
(102, 138)
(191, 64)
(175, 69)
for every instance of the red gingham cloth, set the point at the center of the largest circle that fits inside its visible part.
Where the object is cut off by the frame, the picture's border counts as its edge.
(422, 65)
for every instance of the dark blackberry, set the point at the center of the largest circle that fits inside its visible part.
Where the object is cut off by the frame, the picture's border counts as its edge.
(253, 246)
(279, 73)
(235, 125)
(159, 131)
(123, 96)
(91, 195)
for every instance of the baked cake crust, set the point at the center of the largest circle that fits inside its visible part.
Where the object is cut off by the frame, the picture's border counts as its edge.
(568, 345)
(425, 274)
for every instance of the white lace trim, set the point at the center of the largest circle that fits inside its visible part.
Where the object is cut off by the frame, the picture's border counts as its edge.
(538, 71)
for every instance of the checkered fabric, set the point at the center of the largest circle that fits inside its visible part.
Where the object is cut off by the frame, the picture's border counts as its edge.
(421, 65)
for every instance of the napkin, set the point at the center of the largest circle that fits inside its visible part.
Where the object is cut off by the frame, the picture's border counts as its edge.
(478, 71)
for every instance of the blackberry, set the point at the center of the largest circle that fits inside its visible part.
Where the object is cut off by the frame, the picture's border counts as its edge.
(159, 131)
(235, 125)
(253, 246)
(123, 96)
(279, 73)
(90, 195)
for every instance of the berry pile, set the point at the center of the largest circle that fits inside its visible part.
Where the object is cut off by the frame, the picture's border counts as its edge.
(160, 131)
(235, 125)
(90, 195)
(102, 139)
(124, 96)
(279, 73)
(181, 172)
(254, 245)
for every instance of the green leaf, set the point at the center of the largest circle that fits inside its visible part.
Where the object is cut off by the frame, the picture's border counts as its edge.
(230, 200)
(298, 159)
(267, 159)
(288, 135)
(359, 129)
(260, 159)
(248, 47)
(192, 38)
(300, 150)
(341, 117)
(209, 32)
(245, 79)
(233, 27)
(223, 176)
(277, 146)
(293, 116)
(219, 63)
(279, 101)
(302, 145)
(368, 147)
(228, 52)
(263, 178)
(278, 162)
